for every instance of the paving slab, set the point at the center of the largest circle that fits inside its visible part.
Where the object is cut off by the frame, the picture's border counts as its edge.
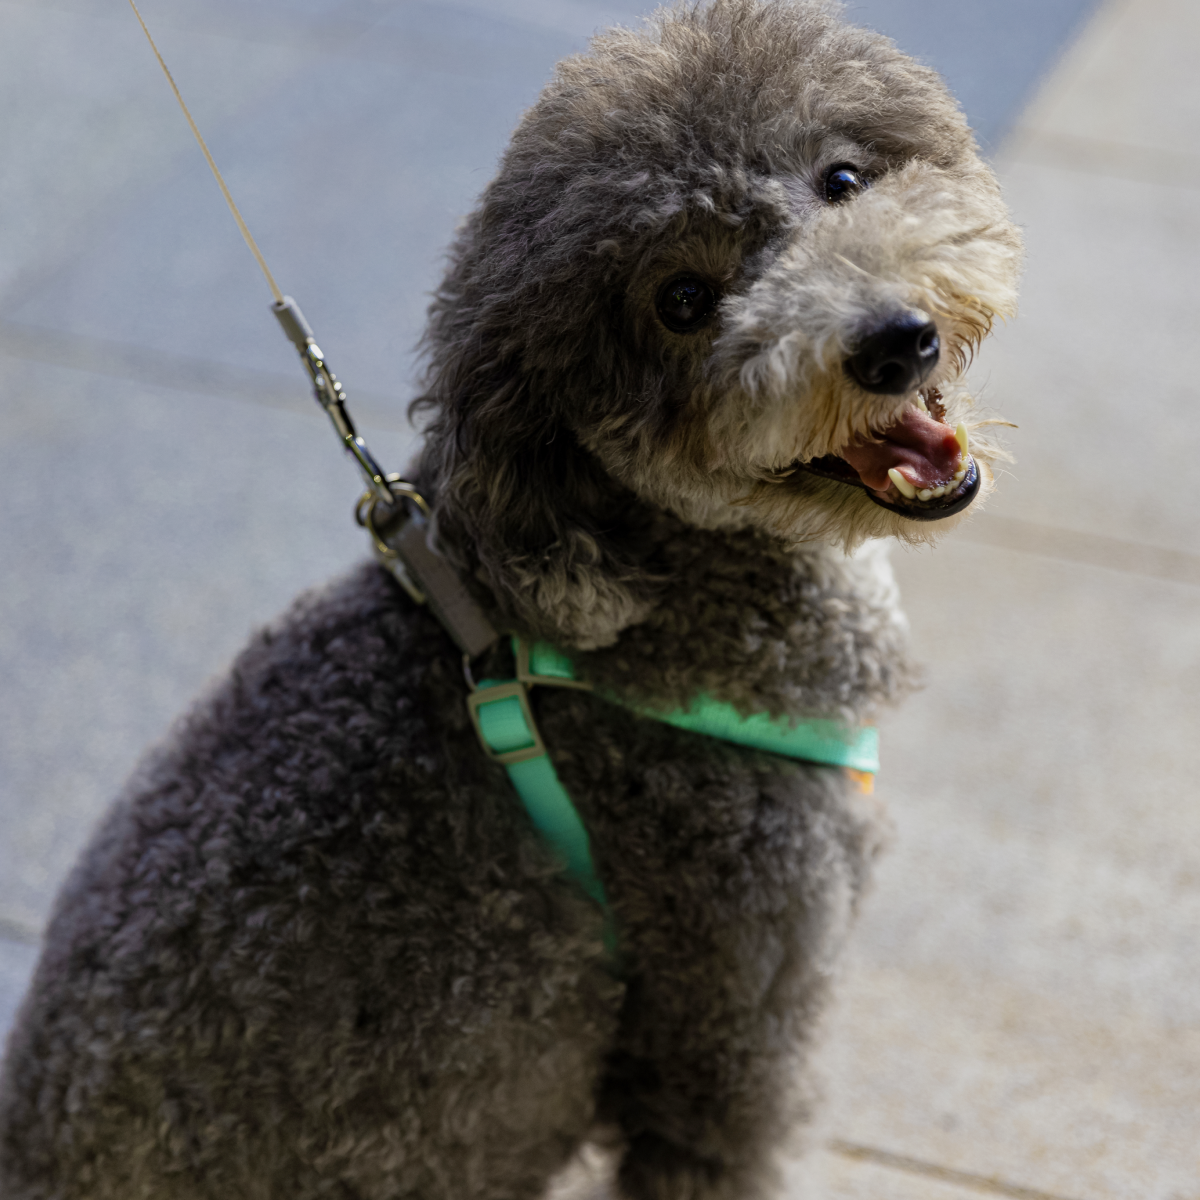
(86, 126)
(354, 135)
(1024, 996)
(154, 530)
(1126, 83)
(1054, 737)
(964, 1074)
(1097, 370)
(1102, 172)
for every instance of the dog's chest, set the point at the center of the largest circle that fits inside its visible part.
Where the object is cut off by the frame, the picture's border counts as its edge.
(790, 632)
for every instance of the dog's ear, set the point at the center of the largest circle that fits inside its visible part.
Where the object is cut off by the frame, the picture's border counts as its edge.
(527, 514)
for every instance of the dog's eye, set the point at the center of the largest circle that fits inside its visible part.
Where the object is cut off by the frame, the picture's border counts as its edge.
(685, 303)
(843, 182)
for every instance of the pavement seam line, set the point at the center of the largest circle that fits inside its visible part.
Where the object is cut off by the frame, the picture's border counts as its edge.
(1092, 549)
(181, 372)
(917, 1166)
(1098, 156)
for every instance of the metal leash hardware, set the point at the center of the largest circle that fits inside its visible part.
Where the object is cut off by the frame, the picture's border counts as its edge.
(402, 546)
(330, 395)
(423, 573)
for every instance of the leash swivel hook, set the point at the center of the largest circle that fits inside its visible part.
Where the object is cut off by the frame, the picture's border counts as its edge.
(382, 488)
(331, 396)
(403, 546)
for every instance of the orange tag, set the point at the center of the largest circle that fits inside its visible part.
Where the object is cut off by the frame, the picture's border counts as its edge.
(864, 780)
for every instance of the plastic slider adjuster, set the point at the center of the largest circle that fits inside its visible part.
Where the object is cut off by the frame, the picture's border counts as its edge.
(503, 729)
(526, 674)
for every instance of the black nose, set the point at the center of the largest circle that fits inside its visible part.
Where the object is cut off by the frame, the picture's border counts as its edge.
(895, 357)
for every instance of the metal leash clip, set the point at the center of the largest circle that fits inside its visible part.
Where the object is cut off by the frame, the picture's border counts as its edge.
(364, 511)
(330, 395)
(402, 544)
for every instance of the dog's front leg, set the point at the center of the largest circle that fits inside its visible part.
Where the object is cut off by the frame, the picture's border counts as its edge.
(730, 961)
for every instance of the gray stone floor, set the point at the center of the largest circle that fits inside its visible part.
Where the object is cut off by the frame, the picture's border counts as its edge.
(1022, 1006)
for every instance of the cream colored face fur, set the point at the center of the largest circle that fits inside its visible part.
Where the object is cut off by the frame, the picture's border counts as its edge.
(773, 389)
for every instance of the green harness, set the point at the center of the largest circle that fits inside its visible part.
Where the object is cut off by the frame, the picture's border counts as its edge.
(504, 721)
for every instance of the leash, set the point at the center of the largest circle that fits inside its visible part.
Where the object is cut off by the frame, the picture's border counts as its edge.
(419, 568)
(500, 709)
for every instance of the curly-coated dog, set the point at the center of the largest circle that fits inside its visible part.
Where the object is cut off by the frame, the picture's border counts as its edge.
(700, 343)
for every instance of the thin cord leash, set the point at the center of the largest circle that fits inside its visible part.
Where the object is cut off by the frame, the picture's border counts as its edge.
(422, 572)
(328, 390)
(212, 166)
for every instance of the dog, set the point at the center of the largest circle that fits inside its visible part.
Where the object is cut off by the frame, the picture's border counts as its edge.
(698, 351)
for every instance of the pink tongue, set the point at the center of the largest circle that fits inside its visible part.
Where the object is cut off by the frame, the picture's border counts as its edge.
(926, 449)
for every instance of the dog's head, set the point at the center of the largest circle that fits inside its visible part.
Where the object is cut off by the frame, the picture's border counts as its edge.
(733, 266)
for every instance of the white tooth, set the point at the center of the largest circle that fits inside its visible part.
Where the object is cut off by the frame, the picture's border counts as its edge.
(905, 488)
(939, 491)
(958, 475)
(964, 443)
(921, 402)
(925, 493)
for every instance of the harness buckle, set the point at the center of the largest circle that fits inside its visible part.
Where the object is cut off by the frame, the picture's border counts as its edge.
(508, 732)
(527, 675)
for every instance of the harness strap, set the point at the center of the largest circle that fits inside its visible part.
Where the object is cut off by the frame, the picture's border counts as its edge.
(511, 736)
(504, 720)
(831, 743)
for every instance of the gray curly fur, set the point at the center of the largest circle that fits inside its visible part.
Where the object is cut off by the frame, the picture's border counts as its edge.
(317, 949)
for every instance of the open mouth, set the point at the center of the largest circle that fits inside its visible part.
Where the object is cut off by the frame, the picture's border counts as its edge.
(918, 467)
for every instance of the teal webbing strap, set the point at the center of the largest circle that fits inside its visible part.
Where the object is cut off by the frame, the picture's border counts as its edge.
(557, 820)
(828, 742)
(820, 741)
(507, 728)
(504, 720)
